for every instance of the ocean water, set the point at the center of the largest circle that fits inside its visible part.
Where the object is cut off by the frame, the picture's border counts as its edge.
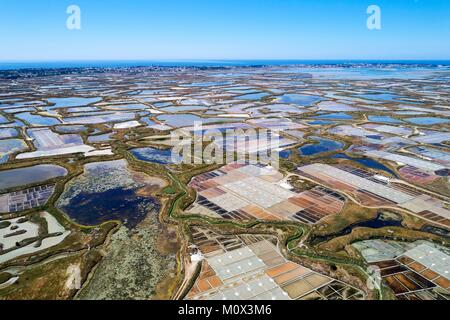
(13, 65)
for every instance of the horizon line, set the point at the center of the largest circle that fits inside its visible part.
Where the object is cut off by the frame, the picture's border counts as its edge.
(212, 60)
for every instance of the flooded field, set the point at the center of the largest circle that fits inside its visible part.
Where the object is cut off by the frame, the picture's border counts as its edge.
(10, 146)
(30, 175)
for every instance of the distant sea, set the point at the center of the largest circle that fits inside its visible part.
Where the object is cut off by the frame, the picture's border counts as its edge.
(200, 63)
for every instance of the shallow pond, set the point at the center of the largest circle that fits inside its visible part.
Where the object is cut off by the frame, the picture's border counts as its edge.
(285, 154)
(428, 120)
(207, 84)
(184, 120)
(10, 146)
(110, 191)
(299, 99)
(323, 145)
(367, 162)
(113, 204)
(71, 129)
(30, 175)
(379, 96)
(147, 121)
(135, 106)
(100, 138)
(278, 108)
(335, 116)
(162, 104)
(37, 120)
(72, 102)
(183, 108)
(254, 96)
(242, 91)
(3, 119)
(8, 133)
(82, 109)
(383, 119)
(154, 155)
(320, 122)
(436, 230)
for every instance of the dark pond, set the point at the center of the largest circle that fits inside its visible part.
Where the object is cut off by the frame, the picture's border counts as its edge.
(380, 221)
(323, 145)
(370, 163)
(284, 154)
(437, 231)
(114, 204)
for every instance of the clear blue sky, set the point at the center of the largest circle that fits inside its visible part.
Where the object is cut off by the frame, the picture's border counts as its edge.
(35, 30)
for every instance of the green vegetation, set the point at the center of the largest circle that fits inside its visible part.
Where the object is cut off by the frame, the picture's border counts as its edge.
(4, 276)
